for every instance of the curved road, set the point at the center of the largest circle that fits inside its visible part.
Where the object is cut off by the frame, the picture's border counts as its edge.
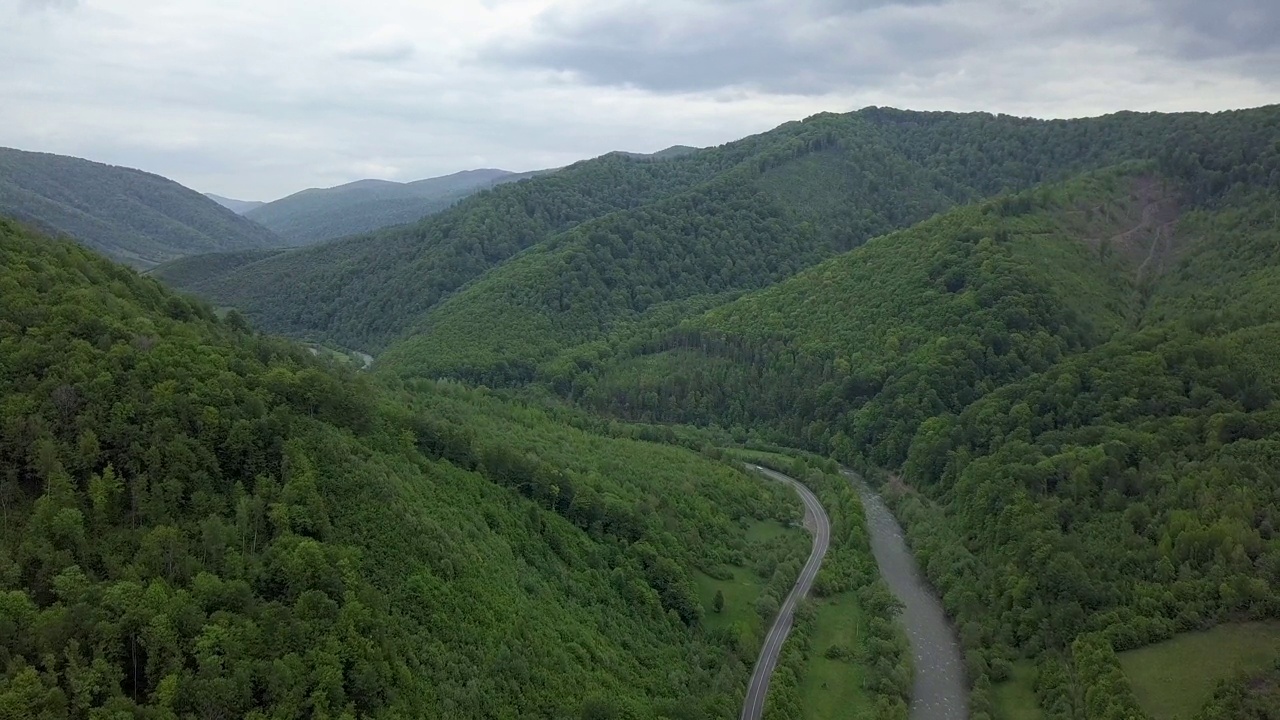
(815, 519)
(940, 691)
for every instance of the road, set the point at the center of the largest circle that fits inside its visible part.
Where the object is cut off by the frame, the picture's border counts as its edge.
(940, 691)
(815, 519)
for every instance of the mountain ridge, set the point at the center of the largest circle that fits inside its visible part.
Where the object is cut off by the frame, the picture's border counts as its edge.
(239, 207)
(318, 215)
(132, 215)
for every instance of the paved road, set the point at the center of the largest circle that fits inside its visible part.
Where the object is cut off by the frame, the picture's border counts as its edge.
(940, 691)
(815, 519)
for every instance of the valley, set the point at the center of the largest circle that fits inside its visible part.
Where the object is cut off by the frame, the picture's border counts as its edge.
(881, 415)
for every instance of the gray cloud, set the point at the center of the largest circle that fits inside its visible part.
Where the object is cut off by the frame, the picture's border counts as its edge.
(257, 100)
(1222, 28)
(814, 47)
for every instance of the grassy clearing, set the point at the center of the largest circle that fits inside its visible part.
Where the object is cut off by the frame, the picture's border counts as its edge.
(1015, 698)
(1176, 677)
(743, 589)
(740, 593)
(832, 688)
(767, 530)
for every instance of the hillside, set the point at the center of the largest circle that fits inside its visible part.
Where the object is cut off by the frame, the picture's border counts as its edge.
(364, 291)
(193, 272)
(1074, 388)
(815, 189)
(734, 218)
(320, 214)
(199, 520)
(132, 216)
(239, 207)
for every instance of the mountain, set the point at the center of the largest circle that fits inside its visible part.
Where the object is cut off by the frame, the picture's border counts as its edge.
(492, 287)
(1073, 387)
(135, 217)
(239, 207)
(201, 520)
(824, 186)
(674, 151)
(193, 272)
(316, 215)
(362, 292)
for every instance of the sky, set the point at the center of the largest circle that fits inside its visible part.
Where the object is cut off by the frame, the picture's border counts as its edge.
(256, 99)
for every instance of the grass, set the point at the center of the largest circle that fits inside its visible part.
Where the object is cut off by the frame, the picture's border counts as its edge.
(1176, 677)
(741, 591)
(1015, 698)
(766, 530)
(833, 688)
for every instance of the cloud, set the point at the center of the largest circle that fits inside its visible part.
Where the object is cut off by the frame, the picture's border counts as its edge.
(386, 45)
(38, 5)
(256, 99)
(1223, 28)
(815, 47)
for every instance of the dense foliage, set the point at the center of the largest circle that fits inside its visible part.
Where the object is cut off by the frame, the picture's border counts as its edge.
(730, 218)
(198, 521)
(135, 217)
(320, 214)
(362, 292)
(193, 271)
(1076, 380)
(881, 652)
(1245, 698)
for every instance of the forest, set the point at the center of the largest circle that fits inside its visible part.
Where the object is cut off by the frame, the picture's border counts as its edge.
(132, 216)
(616, 238)
(321, 214)
(1066, 391)
(199, 520)
(1049, 345)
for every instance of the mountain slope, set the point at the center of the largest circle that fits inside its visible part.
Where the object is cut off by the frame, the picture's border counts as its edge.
(1075, 385)
(830, 182)
(199, 520)
(818, 190)
(364, 291)
(239, 207)
(194, 272)
(317, 215)
(135, 217)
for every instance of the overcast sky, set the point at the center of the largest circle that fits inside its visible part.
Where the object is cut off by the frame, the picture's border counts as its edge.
(256, 99)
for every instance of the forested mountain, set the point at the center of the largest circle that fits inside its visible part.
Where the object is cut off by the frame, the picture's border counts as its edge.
(321, 214)
(201, 521)
(666, 154)
(617, 238)
(1056, 336)
(1075, 382)
(835, 182)
(135, 217)
(364, 291)
(239, 207)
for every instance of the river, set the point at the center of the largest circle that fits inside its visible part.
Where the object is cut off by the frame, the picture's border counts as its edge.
(940, 691)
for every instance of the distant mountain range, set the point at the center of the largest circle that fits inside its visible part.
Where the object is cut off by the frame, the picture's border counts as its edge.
(146, 220)
(239, 207)
(320, 214)
(133, 216)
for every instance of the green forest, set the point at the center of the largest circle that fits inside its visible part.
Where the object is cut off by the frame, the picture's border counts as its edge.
(135, 217)
(321, 214)
(203, 521)
(1048, 344)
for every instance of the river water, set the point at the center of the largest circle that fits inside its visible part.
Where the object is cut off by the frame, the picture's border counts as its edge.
(941, 691)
